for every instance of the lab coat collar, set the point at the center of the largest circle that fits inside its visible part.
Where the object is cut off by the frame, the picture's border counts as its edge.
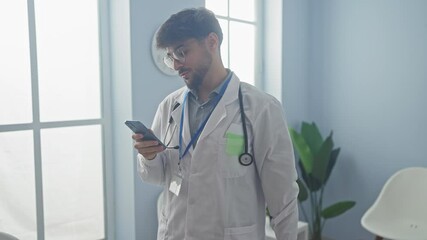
(222, 109)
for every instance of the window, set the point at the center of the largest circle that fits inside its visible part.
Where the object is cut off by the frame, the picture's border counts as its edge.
(239, 21)
(51, 120)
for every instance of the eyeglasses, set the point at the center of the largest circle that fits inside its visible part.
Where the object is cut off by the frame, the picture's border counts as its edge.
(177, 55)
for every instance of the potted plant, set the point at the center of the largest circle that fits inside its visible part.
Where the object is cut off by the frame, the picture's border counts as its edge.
(317, 158)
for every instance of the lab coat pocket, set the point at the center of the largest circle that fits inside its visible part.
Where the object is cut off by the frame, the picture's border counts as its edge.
(241, 233)
(231, 147)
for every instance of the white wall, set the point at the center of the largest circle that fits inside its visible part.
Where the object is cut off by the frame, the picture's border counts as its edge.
(367, 78)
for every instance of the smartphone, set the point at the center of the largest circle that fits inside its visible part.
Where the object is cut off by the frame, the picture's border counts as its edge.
(139, 127)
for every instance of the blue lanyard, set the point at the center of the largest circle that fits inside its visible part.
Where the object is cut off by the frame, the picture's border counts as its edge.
(202, 125)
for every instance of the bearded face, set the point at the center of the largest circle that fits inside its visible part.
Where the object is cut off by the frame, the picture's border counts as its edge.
(194, 76)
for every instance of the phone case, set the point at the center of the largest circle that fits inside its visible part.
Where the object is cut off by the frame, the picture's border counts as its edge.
(139, 127)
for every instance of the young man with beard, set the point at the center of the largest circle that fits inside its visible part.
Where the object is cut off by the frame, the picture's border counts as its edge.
(233, 155)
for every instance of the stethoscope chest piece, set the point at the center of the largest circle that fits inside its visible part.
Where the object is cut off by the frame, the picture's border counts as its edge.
(246, 159)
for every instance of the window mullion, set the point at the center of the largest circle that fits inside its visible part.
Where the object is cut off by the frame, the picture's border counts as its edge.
(36, 121)
(105, 78)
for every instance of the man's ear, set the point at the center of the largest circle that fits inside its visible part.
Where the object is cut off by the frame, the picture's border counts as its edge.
(212, 41)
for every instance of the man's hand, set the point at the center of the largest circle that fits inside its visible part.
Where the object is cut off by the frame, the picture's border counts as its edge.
(146, 148)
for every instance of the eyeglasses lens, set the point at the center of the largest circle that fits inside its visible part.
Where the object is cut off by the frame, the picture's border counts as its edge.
(177, 55)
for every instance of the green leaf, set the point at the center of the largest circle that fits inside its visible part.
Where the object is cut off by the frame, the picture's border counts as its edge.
(303, 194)
(321, 159)
(332, 161)
(337, 209)
(303, 150)
(312, 184)
(312, 136)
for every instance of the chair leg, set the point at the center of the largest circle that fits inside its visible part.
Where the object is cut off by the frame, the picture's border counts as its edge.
(378, 238)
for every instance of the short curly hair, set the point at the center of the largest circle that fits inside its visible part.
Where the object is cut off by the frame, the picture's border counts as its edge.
(189, 23)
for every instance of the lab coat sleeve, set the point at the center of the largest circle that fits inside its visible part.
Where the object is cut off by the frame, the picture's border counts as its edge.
(152, 171)
(276, 167)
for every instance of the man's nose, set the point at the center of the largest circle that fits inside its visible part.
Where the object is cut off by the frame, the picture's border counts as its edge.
(177, 65)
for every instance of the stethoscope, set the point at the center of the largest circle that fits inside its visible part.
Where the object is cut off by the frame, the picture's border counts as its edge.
(245, 158)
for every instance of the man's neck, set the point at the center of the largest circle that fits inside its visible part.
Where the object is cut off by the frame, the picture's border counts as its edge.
(211, 82)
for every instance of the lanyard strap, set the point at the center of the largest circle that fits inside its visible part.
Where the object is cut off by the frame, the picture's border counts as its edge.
(202, 125)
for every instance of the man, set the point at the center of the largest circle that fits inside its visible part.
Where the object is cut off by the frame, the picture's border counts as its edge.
(228, 148)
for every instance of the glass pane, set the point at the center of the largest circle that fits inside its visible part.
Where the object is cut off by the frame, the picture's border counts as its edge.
(219, 7)
(72, 177)
(68, 59)
(224, 45)
(242, 9)
(15, 71)
(17, 186)
(242, 51)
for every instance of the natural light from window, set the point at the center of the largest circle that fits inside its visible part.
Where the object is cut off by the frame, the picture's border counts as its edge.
(15, 71)
(238, 22)
(51, 123)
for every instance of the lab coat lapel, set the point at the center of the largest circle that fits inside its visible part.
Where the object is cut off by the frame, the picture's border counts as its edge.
(176, 115)
(221, 110)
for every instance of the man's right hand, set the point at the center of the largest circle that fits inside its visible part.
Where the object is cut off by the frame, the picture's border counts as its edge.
(146, 148)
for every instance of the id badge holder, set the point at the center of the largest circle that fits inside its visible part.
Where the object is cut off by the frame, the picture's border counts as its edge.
(175, 185)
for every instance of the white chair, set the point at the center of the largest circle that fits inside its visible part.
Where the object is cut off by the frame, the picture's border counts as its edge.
(400, 211)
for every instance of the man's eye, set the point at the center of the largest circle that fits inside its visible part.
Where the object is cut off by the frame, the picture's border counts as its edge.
(181, 53)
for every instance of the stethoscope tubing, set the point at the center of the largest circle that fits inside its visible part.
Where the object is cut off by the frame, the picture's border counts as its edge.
(245, 158)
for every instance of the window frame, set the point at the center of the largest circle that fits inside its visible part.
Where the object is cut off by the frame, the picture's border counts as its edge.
(259, 32)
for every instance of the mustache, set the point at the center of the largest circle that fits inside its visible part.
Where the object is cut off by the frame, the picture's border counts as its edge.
(181, 70)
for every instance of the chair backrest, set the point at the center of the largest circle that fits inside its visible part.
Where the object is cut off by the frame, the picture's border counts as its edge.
(401, 207)
(406, 193)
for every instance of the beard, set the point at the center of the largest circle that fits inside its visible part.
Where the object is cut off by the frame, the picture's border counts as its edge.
(199, 73)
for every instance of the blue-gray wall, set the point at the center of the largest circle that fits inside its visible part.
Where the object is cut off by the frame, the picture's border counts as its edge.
(149, 87)
(360, 70)
(137, 87)
(295, 56)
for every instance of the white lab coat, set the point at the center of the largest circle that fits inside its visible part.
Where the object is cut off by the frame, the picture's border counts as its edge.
(219, 198)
